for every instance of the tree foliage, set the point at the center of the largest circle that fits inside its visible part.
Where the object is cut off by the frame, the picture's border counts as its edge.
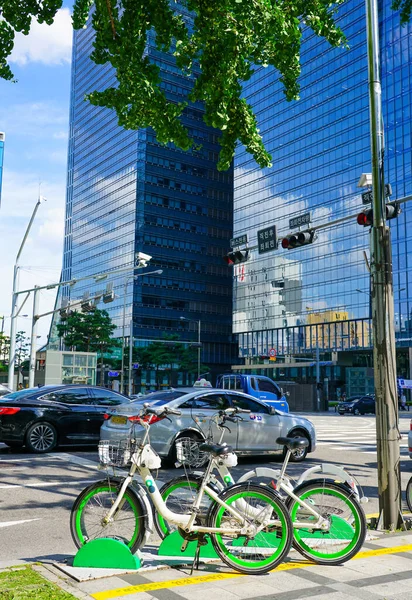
(88, 332)
(216, 43)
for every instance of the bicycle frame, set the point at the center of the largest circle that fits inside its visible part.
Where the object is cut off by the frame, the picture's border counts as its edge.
(186, 522)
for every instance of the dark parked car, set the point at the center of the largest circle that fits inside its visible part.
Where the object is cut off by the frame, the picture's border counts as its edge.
(43, 418)
(358, 406)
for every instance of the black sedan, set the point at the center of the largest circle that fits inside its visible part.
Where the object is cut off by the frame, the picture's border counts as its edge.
(358, 406)
(55, 415)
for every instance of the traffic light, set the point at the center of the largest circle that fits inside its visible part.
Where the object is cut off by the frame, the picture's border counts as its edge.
(65, 311)
(295, 240)
(87, 304)
(365, 218)
(108, 295)
(234, 258)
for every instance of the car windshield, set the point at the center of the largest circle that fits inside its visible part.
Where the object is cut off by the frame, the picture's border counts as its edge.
(160, 398)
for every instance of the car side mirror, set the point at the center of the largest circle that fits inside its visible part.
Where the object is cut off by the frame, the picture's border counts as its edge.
(272, 410)
(284, 393)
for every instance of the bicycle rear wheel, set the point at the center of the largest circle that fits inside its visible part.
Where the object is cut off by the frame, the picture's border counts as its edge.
(91, 507)
(347, 523)
(409, 494)
(262, 551)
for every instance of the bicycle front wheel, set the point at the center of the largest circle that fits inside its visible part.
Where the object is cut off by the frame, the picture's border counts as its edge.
(409, 494)
(87, 519)
(262, 550)
(346, 522)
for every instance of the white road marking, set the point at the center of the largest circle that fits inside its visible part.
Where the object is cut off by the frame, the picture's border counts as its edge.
(11, 523)
(45, 484)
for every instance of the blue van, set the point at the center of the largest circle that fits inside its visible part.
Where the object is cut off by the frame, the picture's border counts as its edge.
(260, 387)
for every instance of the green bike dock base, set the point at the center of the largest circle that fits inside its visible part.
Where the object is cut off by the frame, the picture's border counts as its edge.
(171, 546)
(106, 553)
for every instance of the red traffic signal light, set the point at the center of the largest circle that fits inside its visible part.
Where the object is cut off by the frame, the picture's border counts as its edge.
(234, 258)
(365, 218)
(295, 240)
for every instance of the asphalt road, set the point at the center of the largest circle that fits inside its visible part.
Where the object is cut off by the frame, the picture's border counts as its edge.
(37, 491)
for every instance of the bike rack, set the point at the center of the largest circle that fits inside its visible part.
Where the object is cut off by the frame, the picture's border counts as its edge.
(106, 553)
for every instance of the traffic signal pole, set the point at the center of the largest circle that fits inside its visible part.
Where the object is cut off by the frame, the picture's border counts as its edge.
(384, 353)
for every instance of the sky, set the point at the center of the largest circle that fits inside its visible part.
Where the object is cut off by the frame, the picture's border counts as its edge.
(34, 115)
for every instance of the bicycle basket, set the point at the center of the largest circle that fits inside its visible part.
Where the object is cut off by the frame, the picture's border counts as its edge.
(116, 454)
(188, 452)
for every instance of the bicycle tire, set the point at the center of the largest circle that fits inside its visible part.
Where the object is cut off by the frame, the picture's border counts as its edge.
(263, 552)
(347, 530)
(179, 503)
(90, 507)
(409, 494)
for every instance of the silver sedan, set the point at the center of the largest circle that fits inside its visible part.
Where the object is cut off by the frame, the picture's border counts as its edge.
(255, 434)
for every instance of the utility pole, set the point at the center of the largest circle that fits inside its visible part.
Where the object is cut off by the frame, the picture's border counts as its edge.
(130, 389)
(14, 311)
(33, 340)
(384, 353)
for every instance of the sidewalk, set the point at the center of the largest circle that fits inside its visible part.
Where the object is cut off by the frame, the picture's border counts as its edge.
(382, 570)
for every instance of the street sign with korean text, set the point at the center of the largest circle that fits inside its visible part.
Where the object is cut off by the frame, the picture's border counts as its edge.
(367, 197)
(136, 365)
(267, 240)
(113, 373)
(299, 221)
(238, 241)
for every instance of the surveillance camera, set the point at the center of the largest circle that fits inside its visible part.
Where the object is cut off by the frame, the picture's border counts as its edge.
(143, 256)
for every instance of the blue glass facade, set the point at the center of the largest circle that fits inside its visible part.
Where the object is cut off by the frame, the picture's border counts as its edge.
(126, 193)
(318, 295)
(2, 138)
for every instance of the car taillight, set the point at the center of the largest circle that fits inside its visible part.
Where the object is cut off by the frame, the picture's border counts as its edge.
(9, 410)
(106, 416)
(147, 419)
(410, 426)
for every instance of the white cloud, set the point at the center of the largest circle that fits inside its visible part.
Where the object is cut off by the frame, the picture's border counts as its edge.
(42, 255)
(47, 44)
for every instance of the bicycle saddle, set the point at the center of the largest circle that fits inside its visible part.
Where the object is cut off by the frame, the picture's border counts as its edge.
(216, 449)
(293, 443)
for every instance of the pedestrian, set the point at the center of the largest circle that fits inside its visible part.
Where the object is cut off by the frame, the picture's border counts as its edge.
(403, 401)
(20, 386)
(344, 397)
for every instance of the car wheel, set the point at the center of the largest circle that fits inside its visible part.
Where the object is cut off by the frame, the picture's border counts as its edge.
(172, 458)
(356, 411)
(41, 437)
(297, 455)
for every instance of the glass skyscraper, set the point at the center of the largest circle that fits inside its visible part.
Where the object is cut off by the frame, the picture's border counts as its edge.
(126, 193)
(318, 296)
(2, 139)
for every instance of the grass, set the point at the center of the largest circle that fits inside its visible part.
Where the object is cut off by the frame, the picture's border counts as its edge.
(26, 584)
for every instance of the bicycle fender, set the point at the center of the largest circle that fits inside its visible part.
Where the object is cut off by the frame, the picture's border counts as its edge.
(260, 472)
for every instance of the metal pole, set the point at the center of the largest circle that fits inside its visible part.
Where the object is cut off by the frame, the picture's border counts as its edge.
(35, 319)
(13, 325)
(317, 377)
(384, 355)
(198, 349)
(124, 325)
(12, 352)
(130, 357)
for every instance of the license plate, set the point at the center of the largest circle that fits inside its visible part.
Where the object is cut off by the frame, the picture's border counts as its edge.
(119, 420)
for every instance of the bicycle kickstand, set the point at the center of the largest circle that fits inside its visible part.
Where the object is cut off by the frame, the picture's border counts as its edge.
(196, 560)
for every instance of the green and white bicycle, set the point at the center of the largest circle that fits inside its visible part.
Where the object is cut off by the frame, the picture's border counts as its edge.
(248, 524)
(329, 523)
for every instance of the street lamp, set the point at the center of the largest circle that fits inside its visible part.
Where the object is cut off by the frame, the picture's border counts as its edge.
(198, 341)
(14, 311)
(126, 283)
